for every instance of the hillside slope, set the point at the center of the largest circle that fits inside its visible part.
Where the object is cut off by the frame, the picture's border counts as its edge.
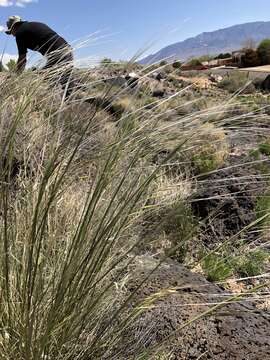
(223, 40)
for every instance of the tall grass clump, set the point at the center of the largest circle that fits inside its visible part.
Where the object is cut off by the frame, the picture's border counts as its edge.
(75, 184)
(71, 192)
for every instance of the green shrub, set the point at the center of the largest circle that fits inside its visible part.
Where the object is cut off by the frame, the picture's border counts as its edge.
(265, 149)
(176, 65)
(180, 225)
(205, 162)
(177, 224)
(219, 267)
(223, 56)
(255, 154)
(205, 58)
(216, 268)
(263, 51)
(194, 62)
(11, 65)
(163, 63)
(251, 58)
(211, 150)
(263, 209)
(106, 62)
(252, 264)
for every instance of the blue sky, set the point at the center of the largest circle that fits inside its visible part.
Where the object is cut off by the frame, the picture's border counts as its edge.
(123, 27)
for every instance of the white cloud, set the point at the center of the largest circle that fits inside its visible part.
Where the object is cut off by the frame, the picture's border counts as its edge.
(2, 28)
(6, 3)
(23, 3)
(19, 3)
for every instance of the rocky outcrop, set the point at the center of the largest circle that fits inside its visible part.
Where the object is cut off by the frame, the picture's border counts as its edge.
(226, 201)
(235, 331)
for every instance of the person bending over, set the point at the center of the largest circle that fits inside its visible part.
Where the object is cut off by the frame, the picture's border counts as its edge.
(39, 37)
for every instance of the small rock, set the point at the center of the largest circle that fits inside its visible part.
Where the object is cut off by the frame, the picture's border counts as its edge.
(215, 78)
(158, 93)
(158, 76)
(266, 84)
(132, 80)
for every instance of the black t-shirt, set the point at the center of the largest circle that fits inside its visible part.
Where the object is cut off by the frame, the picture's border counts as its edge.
(38, 37)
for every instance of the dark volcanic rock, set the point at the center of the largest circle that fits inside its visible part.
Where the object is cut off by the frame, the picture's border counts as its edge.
(226, 202)
(235, 331)
(266, 84)
(158, 93)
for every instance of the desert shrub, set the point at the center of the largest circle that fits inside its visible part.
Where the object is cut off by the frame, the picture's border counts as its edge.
(163, 63)
(223, 56)
(176, 65)
(206, 161)
(263, 51)
(180, 225)
(237, 81)
(210, 151)
(263, 209)
(194, 62)
(120, 106)
(252, 264)
(170, 229)
(250, 58)
(106, 62)
(205, 58)
(11, 65)
(216, 268)
(264, 148)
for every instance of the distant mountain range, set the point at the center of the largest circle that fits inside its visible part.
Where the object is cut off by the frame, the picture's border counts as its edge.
(212, 43)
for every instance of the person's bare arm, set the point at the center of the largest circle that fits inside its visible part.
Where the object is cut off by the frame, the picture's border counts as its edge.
(21, 63)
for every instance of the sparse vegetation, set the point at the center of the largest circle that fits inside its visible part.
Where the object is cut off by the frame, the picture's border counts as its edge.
(237, 81)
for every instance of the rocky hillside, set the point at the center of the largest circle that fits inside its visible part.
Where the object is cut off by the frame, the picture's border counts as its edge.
(212, 43)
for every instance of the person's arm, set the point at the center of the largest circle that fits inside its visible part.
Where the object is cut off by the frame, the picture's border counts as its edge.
(21, 63)
(22, 50)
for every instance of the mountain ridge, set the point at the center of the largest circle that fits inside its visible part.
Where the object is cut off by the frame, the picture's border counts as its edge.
(212, 42)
